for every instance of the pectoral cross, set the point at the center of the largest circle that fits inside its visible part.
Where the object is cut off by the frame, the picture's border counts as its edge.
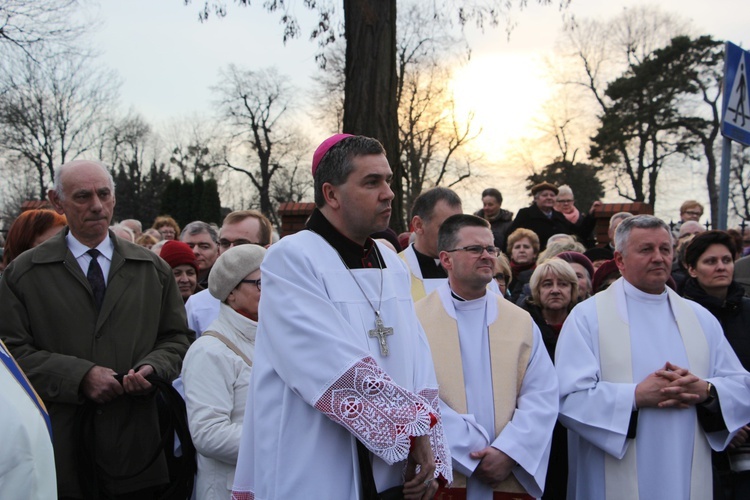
(381, 332)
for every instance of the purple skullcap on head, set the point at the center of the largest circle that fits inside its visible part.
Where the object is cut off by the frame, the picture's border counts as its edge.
(324, 147)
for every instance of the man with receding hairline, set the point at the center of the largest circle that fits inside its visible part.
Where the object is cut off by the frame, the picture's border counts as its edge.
(84, 307)
(648, 382)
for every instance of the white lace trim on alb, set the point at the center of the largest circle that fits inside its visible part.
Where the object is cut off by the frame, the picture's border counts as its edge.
(438, 443)
(381, 414)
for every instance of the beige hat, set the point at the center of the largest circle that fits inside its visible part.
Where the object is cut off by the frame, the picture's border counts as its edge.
(544, 186)
(232, 267)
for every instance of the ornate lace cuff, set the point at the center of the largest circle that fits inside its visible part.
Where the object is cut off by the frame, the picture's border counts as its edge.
(381, 414)
(443, 461)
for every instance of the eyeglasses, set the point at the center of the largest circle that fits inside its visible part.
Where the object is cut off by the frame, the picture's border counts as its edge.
(502, 279)
(564, 201)
(476, 250)
(224, 243)
(252, 282)
(693, 213)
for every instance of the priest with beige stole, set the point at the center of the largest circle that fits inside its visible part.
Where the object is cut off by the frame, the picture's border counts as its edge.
(648, 383)
(498, 389)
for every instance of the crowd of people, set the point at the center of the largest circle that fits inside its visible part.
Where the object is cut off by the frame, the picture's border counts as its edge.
(479, 356)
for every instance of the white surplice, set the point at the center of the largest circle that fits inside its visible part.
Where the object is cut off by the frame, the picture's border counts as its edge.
(528, 436)
(318, 378)
(202, 309)
(415, 271)
(597, 413)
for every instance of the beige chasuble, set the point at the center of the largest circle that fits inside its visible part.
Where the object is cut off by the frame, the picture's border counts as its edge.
(510, 341)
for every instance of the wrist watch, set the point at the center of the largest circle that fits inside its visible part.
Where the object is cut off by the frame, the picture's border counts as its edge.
(710, 394)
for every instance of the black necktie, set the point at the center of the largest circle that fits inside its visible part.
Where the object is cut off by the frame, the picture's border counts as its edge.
(96, 278)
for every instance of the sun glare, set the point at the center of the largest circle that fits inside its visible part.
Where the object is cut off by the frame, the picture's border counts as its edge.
(506, 93)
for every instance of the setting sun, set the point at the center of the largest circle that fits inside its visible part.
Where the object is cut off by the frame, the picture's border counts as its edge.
(506, 93)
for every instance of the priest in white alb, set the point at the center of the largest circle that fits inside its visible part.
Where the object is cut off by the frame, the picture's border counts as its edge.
(343, 401)
(648, 383)
(498, 388)
(428, 212)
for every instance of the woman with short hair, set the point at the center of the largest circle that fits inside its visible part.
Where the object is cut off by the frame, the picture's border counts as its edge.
(167, 227)
(31, 229)
(709, 258)
(554, 289)
(523, 249)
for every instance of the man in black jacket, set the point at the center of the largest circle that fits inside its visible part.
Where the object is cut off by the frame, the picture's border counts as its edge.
(542, 218)
(499, 218)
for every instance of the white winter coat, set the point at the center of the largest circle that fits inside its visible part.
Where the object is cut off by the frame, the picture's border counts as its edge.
(216, 383)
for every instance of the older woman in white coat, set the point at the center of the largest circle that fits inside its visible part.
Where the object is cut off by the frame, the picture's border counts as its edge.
(216, 370)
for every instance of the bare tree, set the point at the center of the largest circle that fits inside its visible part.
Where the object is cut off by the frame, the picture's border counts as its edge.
(257, 107)
(18, 186)
(53, 109)
(740, 181)
(28, 24)
(369, 26)
(595, 54)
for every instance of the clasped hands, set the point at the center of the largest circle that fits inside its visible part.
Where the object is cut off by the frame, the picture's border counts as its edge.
(100, 385)
(671, 387)
(495, 466)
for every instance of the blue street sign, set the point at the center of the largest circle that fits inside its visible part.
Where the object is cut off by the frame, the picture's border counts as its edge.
(735, 116)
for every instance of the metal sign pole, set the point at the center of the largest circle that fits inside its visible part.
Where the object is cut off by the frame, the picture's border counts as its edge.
(726, 157)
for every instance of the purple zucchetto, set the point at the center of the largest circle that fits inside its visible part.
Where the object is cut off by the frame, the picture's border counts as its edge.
(324, 147)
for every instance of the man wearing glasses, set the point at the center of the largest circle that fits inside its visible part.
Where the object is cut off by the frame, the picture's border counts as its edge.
(241, 227)
(689, 210)
(498, 388)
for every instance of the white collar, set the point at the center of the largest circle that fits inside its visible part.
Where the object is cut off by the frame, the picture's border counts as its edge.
(106, 247)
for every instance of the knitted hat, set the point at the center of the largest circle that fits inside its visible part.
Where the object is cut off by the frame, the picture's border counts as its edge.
(324, 147)
(177, 253)
(577, 258)
(231, 267)
(544, 186)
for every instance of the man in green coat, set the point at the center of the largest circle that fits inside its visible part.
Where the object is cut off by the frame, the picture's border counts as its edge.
(83, 307)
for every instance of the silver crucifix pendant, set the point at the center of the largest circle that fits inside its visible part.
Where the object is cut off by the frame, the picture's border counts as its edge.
(381, 332)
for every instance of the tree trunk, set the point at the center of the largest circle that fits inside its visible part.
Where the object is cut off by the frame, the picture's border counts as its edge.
(370, 105)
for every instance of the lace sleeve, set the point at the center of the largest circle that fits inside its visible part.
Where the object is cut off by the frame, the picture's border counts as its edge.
(381, 414)
(443, 462)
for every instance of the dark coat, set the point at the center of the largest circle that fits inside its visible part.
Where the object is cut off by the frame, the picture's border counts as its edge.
(733, 315)
(51, 325)
(499, 225)
(556, 483)
(534, 219)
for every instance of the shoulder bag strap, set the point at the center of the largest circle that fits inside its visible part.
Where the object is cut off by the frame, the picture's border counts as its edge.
(230, 345)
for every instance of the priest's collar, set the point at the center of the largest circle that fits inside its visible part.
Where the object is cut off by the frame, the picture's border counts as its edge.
(638, 294)
(429, 267)
(466, 304)
(354, 255)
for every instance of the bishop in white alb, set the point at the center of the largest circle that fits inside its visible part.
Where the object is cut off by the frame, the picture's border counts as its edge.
(320, 381)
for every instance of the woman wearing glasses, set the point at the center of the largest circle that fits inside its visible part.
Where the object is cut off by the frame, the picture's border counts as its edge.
(216, 370)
